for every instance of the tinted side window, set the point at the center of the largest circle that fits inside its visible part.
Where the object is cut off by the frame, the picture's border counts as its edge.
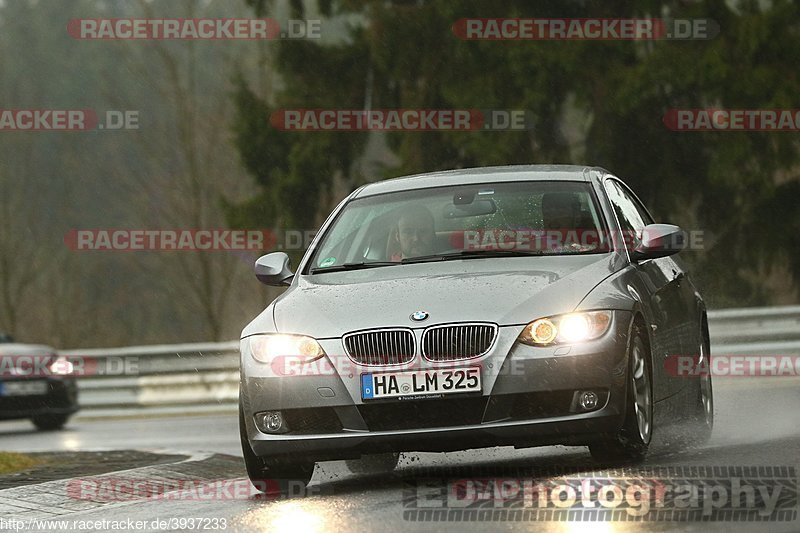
(631, 217)
(643, 214)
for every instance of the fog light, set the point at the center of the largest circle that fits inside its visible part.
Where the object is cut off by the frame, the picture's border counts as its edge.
(588, 400)
(271, 422)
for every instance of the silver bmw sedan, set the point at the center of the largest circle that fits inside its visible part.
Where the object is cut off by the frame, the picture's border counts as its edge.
(522, 306)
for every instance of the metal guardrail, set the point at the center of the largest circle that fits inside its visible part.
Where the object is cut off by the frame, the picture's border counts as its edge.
(755, 331)
(182, 378)
(204, 377)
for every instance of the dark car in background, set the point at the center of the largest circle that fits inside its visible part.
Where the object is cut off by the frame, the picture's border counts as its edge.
(36, 383)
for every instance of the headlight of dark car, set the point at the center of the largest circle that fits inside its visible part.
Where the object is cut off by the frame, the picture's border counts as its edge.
(61, 366)
(566, 329)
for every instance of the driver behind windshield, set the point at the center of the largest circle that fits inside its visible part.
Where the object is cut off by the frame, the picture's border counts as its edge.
(413, 236)
(566, 227)
(560, 211)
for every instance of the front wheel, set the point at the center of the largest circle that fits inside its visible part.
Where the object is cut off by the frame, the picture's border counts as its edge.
(49, 422)
(633, 439)
(272, 477)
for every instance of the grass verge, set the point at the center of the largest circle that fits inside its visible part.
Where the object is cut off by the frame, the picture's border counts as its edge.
(14, 462)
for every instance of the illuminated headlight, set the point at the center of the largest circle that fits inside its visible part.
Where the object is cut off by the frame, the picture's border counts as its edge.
(265, 348)
(566, 329)
(61, 366)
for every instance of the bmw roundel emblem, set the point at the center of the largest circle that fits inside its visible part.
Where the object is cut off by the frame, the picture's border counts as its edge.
(419, 316)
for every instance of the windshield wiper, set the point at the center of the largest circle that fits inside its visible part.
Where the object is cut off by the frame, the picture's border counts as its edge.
(353, 266)
(473, 254)
(463, 254)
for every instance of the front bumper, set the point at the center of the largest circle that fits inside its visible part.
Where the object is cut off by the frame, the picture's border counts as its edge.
(528, 399)
(61, 398)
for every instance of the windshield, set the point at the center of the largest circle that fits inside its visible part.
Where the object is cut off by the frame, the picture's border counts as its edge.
(515, 218)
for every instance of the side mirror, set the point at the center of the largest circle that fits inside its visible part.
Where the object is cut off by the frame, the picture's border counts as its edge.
(273, 269)
(659, 240)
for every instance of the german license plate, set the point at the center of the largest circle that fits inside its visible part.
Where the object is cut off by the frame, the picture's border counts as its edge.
(420, 383)
(23, 388)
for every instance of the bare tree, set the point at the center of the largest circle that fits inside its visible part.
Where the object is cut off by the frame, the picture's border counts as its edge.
(193, 167)
(22, 259)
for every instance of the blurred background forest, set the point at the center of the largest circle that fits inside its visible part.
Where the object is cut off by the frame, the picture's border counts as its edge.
(206, 156)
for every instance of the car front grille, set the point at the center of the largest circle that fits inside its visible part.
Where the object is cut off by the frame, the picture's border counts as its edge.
(380, 347)
(453, 342)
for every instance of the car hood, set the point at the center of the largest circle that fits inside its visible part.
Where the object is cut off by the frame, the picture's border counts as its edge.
(506, 291)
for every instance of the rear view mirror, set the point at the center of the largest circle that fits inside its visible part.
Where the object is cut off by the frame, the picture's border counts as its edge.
(473, 209)
(273, 269)
(659, 240)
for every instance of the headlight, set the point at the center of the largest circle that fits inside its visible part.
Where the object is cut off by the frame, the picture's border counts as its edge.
(566, 329)
(61, 366)
(265, 348)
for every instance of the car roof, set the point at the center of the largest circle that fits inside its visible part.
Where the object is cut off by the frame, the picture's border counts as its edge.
(469, 176)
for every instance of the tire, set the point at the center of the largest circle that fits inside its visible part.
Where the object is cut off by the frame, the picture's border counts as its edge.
(50, 422)
(701, 421)
(271, 477)
(371, 464)
(632, 441)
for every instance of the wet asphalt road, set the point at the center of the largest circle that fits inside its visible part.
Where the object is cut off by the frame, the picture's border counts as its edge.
(757, 424)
